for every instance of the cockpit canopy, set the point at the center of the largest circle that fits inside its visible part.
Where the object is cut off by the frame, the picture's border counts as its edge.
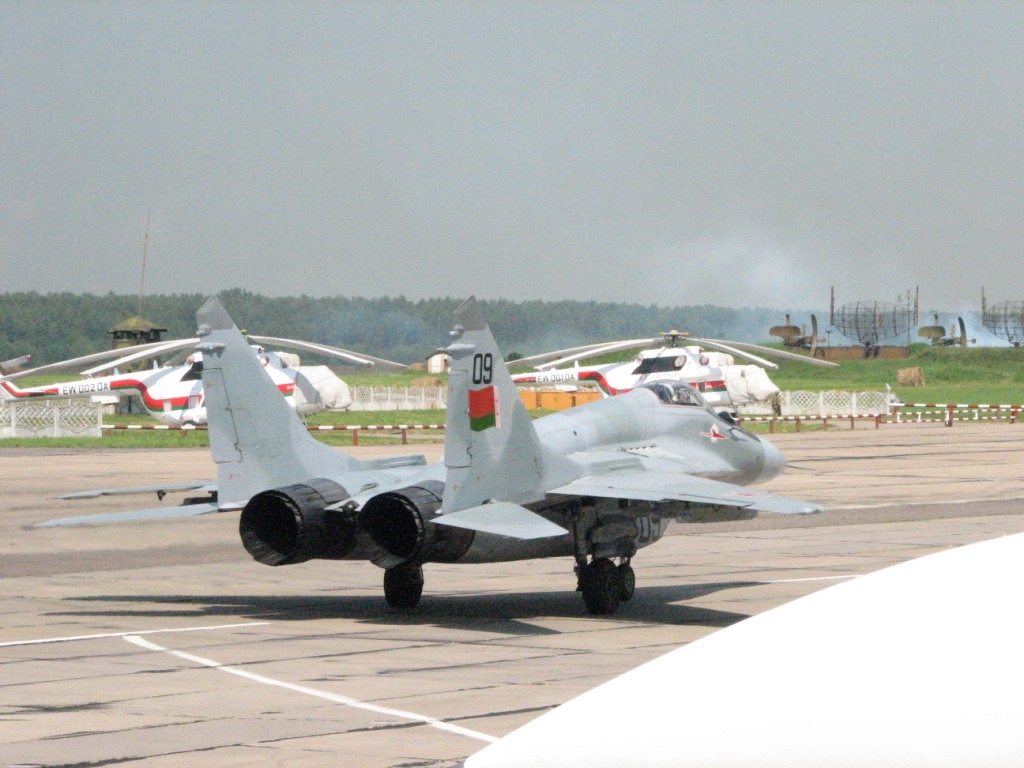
(675, 393)
(660, 364)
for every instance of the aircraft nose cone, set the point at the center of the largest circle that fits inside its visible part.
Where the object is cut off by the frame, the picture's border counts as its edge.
(774, 462)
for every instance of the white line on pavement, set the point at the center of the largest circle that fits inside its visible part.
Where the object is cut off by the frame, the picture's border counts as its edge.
(125, 634)
(333, 697)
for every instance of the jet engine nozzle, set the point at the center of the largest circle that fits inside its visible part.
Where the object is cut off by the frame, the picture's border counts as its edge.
(397, 521)
(290, 525)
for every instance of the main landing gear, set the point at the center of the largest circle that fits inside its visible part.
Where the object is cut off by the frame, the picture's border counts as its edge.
(605, 584)
(403, 585)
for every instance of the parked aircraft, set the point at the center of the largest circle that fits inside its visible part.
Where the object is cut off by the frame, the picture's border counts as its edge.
(174, 394)
(675, 358)
(878, 671)
(594, 483)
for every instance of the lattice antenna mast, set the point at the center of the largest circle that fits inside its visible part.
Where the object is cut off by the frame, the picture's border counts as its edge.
(870, 322)
(145, 246)
(1005, 320)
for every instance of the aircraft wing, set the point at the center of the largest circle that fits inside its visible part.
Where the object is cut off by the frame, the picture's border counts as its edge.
(190, 508)
(205, 486)
(154, 513)
(664, 486)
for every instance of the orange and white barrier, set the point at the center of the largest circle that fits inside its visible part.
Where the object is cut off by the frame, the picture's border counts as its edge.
(950, 412)
(402, 429)
(877, 418)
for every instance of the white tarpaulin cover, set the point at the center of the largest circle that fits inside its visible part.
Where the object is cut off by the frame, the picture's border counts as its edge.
(749, 384)
(333, 393)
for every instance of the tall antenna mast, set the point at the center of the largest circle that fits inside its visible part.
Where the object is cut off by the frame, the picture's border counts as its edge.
(145, 245)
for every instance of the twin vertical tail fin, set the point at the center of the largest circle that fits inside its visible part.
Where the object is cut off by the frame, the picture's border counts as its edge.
(494, 458)
(256, 438)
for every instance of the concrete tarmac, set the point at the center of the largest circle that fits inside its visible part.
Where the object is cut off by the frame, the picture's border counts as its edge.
(162, 644)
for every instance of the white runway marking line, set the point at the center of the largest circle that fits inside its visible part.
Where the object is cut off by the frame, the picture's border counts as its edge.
(347, 701)
(810, 578)
(935, 502)
(76, 638)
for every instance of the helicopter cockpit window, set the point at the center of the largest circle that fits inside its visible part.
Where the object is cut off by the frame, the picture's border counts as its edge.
(675, 393)
(660, 364)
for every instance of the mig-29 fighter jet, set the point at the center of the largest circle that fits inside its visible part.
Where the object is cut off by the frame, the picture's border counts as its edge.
(594, 483)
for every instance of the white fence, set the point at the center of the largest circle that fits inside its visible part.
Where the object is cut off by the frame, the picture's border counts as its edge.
(819, 404)
(826, 404)
(78, 418)
(398, 398)
(50, 418)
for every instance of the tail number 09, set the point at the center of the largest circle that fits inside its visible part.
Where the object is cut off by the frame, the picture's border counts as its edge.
(483, 368)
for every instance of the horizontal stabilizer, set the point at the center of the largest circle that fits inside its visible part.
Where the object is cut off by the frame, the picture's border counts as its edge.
(504, 519)
(157, 513)
(205, 486)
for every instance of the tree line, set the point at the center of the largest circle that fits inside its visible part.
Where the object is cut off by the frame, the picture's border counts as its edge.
(58, 326)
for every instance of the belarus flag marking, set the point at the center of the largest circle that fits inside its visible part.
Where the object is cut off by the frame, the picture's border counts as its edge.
(483, 409)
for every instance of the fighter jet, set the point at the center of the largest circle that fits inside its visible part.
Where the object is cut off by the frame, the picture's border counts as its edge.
(594, 483)
(916, 666)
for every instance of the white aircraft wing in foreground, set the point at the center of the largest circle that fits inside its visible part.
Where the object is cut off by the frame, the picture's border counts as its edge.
(914, 666)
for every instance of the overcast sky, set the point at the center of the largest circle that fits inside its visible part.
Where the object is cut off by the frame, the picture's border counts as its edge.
(740, 154)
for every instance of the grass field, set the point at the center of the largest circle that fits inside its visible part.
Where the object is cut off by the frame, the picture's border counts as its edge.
(951, 375)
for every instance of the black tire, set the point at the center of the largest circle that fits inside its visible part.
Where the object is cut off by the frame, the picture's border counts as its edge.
(403, 586)
(627, 581)
(601, 587)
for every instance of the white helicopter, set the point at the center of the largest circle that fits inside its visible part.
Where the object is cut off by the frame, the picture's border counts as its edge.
(173, 393)
(677, 357)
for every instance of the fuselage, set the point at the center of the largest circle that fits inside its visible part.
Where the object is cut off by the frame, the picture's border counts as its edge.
(711, 373)
(173, 395)
(687, 433)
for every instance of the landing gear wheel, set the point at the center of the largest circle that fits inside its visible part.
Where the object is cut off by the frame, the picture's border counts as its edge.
(601, 587)
(403, 586)
(627, 581)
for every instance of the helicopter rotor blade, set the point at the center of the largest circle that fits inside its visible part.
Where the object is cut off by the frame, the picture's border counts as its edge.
(549, 359)
(134, 354)
(95, 357)
(355, 358)
(742, 345)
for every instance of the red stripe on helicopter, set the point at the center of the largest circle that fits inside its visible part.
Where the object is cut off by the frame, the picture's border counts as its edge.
(117, 386)
(13, 391)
